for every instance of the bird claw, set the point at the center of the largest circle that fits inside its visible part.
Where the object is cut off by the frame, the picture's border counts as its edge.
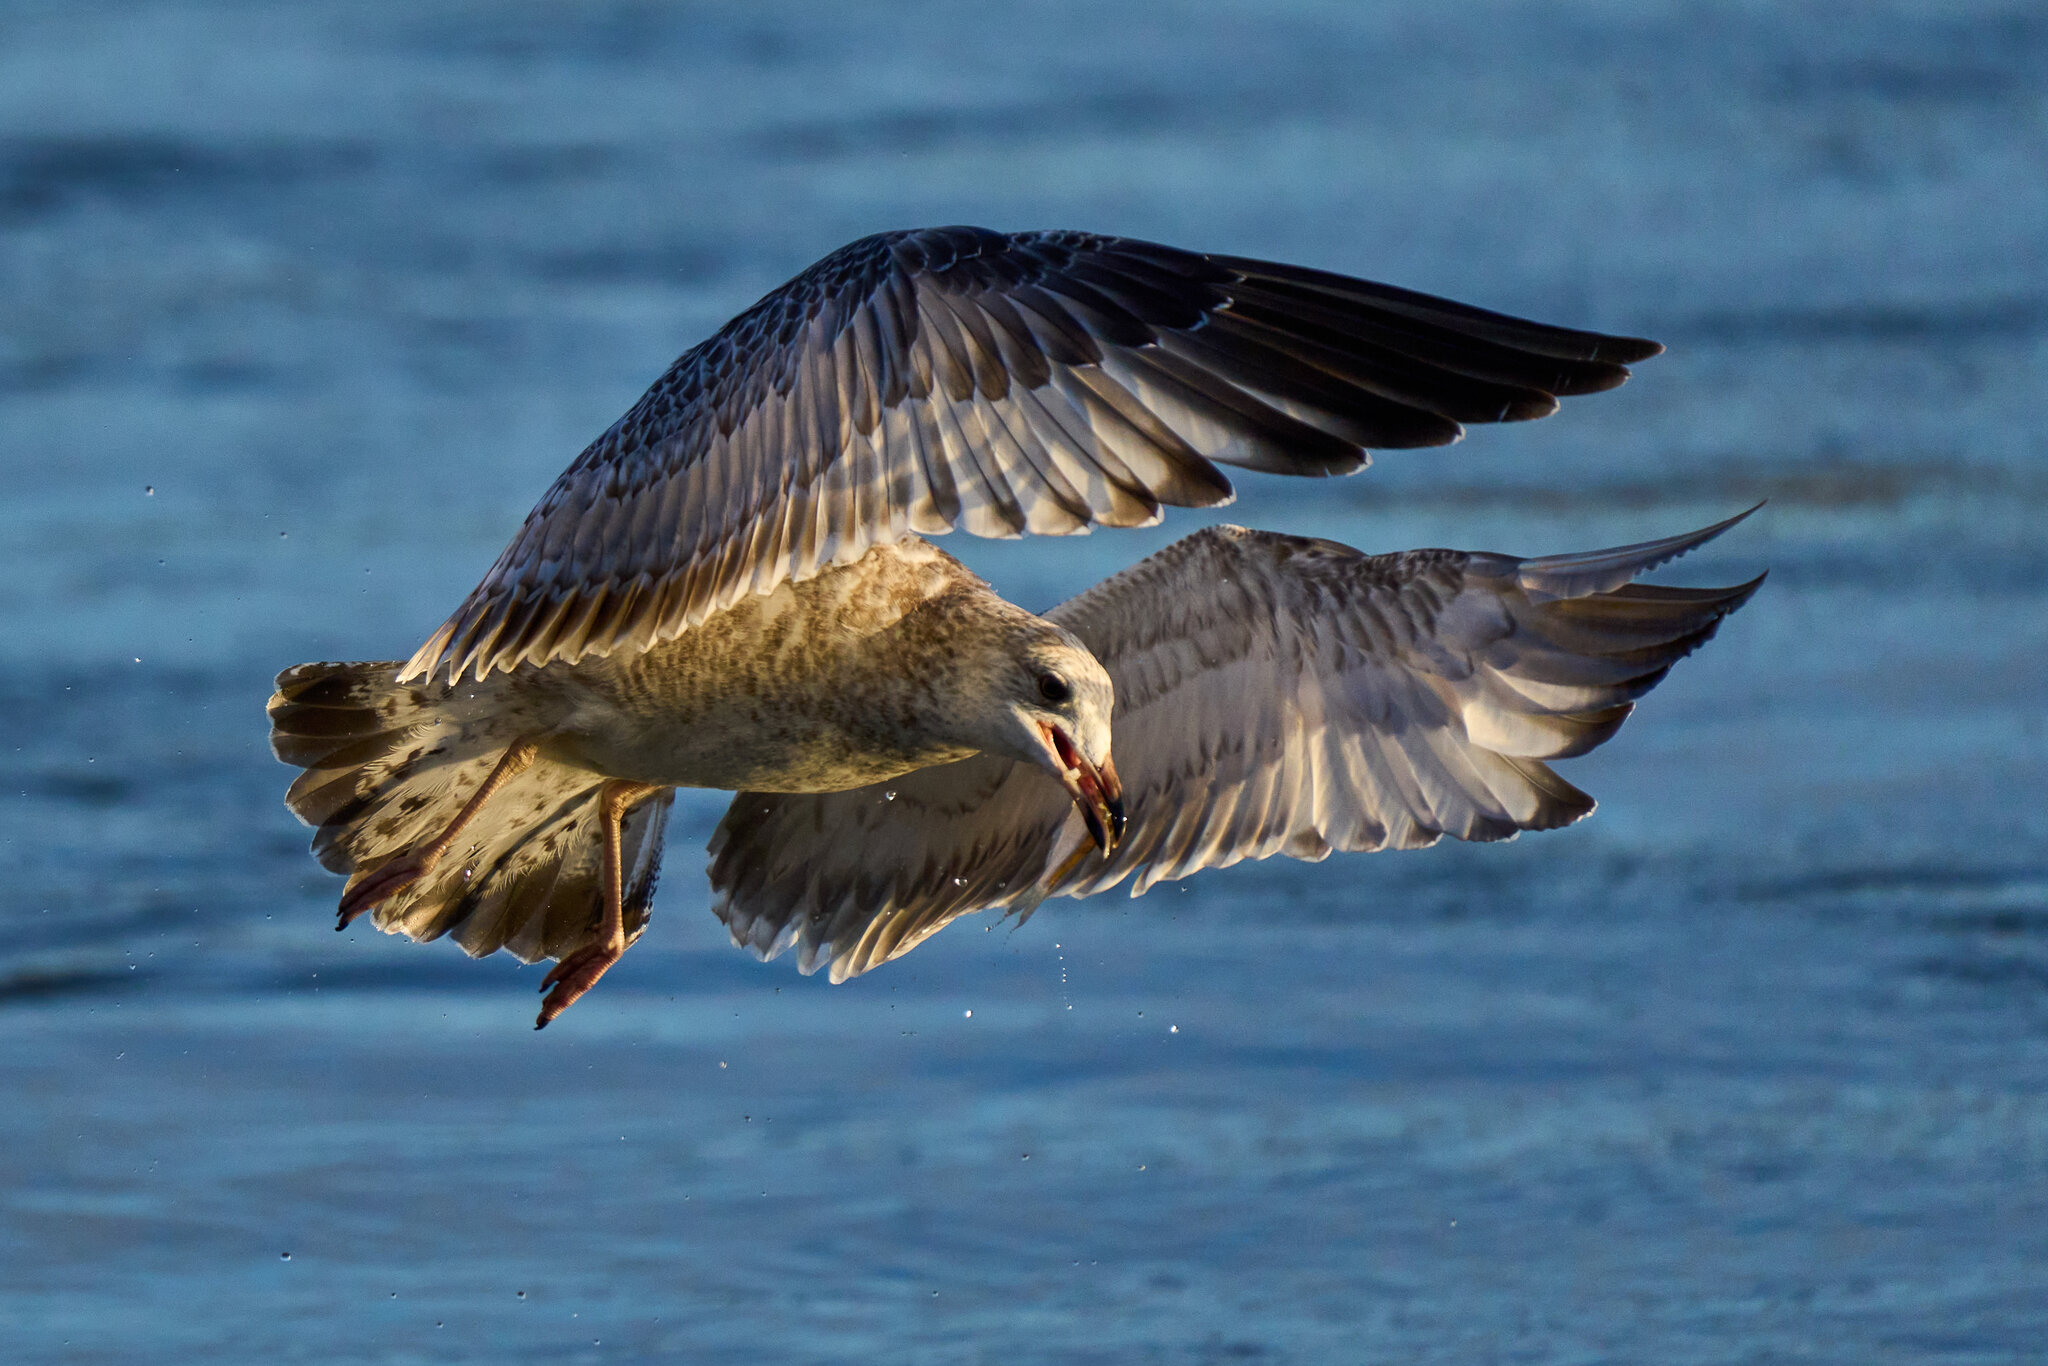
(380, 886)
(573, 976)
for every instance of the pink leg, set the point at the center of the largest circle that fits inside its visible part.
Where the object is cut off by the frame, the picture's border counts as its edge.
(579, 971)
(399, 873)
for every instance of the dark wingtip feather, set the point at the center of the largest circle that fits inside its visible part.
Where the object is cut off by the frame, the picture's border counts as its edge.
(1626, 351)
(1742, 593)
(1589, 377)
(1528, 409)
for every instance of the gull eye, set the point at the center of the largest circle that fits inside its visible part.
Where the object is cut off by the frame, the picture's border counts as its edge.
(1054, 689)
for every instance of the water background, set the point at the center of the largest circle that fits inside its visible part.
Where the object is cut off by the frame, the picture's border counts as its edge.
(302, 305)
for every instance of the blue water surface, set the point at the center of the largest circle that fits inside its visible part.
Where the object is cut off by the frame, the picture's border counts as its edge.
(302, 305)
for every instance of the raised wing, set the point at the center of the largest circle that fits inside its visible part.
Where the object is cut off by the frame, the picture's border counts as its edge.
(1034, 382)
(1275, 695)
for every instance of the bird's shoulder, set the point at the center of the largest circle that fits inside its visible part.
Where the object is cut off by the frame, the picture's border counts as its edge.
(898, 588)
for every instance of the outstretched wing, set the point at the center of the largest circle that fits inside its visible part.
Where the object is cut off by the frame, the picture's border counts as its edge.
(1035, 382)
(1274, 695)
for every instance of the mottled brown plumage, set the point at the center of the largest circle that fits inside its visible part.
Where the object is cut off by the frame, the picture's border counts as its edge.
(725, 590)
(863, 672)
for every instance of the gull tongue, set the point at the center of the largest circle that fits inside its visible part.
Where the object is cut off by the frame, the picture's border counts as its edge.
(1104, 821)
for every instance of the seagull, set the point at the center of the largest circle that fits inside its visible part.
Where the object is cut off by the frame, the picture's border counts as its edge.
(730, 588)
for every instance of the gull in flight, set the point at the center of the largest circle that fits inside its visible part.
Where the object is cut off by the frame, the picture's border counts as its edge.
(729, 589)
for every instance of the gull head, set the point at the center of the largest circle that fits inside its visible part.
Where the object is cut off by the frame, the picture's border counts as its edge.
(1048, 702)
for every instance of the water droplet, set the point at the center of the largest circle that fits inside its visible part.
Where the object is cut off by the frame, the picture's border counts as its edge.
(889, 794)
(522, 1294)
(149, 490)
(966, 1014)
(1173, 1029)
(284, 1256)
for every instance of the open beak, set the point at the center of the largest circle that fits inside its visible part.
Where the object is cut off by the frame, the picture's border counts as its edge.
(1097, 792)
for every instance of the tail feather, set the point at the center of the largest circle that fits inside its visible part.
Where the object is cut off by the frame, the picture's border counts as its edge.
(389, 765)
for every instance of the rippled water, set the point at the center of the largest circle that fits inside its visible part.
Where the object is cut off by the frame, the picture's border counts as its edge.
(304, 305)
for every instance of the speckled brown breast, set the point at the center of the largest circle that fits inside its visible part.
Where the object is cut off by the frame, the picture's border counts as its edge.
(821, 685)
